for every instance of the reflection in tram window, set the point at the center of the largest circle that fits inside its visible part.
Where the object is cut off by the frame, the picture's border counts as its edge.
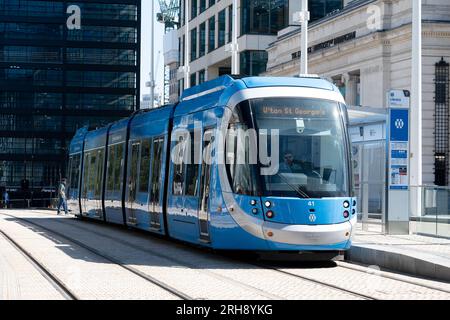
(85, 175)
(132, 179)
(156, 170)
(99, 175)
(312, 146)
(118, 162)
(110, 172)
(92, 172)
(192, 167)
(178, 168)
(145, 166)
(240, 146)
(74, 174)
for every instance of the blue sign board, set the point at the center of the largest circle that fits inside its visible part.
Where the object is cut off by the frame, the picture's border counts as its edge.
(399, 128)
(399, 146)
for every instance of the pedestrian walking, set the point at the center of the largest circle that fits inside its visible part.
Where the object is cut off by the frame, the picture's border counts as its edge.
(5, 199)
(62, 200)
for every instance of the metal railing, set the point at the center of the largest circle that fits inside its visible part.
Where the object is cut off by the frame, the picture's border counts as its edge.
(433, 217)
(47, 203)
(371, 205)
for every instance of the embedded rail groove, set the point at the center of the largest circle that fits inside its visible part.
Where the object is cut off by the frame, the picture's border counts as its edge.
(73, 224)
(113, 260)
(360, 295)
(52, 279)
(366, 297)
(180, 262)
(356, 267)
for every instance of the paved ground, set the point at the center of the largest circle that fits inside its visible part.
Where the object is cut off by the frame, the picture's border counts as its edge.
(19, 279)
(439, 247)
(415, 254)
(127, 264)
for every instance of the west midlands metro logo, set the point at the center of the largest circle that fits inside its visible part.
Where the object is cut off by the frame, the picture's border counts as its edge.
(312, 217)
(399, 124)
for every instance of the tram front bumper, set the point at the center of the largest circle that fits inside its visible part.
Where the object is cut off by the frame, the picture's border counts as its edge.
(294, 234)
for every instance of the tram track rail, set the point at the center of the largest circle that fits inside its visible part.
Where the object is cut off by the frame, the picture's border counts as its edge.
(344, 265)
(319, 282)
(183, 263)
(177, 261)
(381, 273)
(354, 293)
(56, 283)
(162, 285)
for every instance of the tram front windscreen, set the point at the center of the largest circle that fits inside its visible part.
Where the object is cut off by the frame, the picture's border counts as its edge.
(312, 154)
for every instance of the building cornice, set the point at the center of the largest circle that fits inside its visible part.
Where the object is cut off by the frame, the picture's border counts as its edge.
(383, 39)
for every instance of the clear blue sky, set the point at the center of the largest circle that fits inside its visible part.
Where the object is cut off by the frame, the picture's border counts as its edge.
(146, 47)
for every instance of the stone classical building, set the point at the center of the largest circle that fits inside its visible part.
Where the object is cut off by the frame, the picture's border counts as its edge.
(365, 49)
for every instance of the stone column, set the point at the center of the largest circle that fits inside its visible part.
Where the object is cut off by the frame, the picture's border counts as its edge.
(351, 82)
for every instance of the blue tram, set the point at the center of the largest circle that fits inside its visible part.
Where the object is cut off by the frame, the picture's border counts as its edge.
(254, 163)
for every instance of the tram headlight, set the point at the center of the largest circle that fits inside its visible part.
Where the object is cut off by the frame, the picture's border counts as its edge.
(346, 204)
(255, 211)
(253, 202)
(270, 214)
(268, 204)
(346, 214)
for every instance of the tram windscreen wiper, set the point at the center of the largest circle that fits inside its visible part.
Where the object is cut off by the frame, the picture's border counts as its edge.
(300, 192)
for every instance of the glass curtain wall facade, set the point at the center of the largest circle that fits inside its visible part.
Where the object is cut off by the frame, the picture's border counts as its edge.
(214, 30)
(54, 80)
(320, 8)
(264, 16)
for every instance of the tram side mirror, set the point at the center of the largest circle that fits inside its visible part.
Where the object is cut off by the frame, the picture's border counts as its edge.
(300, 125)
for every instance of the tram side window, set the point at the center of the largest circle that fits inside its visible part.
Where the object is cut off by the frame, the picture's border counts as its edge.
(110, 172)
(156, 169)
(118, 166)
(240, 144)
(86, 174)
(134, 164)
(92, 171)
(178, 168)
(144, 172)
(74, 171)
(192, 166)
(99, 175)
(69, 170)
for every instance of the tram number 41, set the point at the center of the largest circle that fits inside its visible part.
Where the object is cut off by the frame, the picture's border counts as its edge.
(311, 203)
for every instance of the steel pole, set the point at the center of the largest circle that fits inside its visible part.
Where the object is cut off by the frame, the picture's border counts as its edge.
(416, 109)
(304, 40)
(186, 45)
(152, 67)
(235, 67)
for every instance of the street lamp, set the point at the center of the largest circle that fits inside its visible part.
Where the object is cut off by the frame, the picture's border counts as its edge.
(233, 47)
(303, 18)
(416, 107)
(152, 67)
(186, 68)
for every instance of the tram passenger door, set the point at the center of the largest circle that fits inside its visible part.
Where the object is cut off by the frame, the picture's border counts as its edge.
(132, 183)
(155, 208)
(205, 177)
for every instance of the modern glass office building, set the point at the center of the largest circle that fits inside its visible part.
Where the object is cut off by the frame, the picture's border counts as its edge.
(320, 8)
(210, 30)
(56, 77)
